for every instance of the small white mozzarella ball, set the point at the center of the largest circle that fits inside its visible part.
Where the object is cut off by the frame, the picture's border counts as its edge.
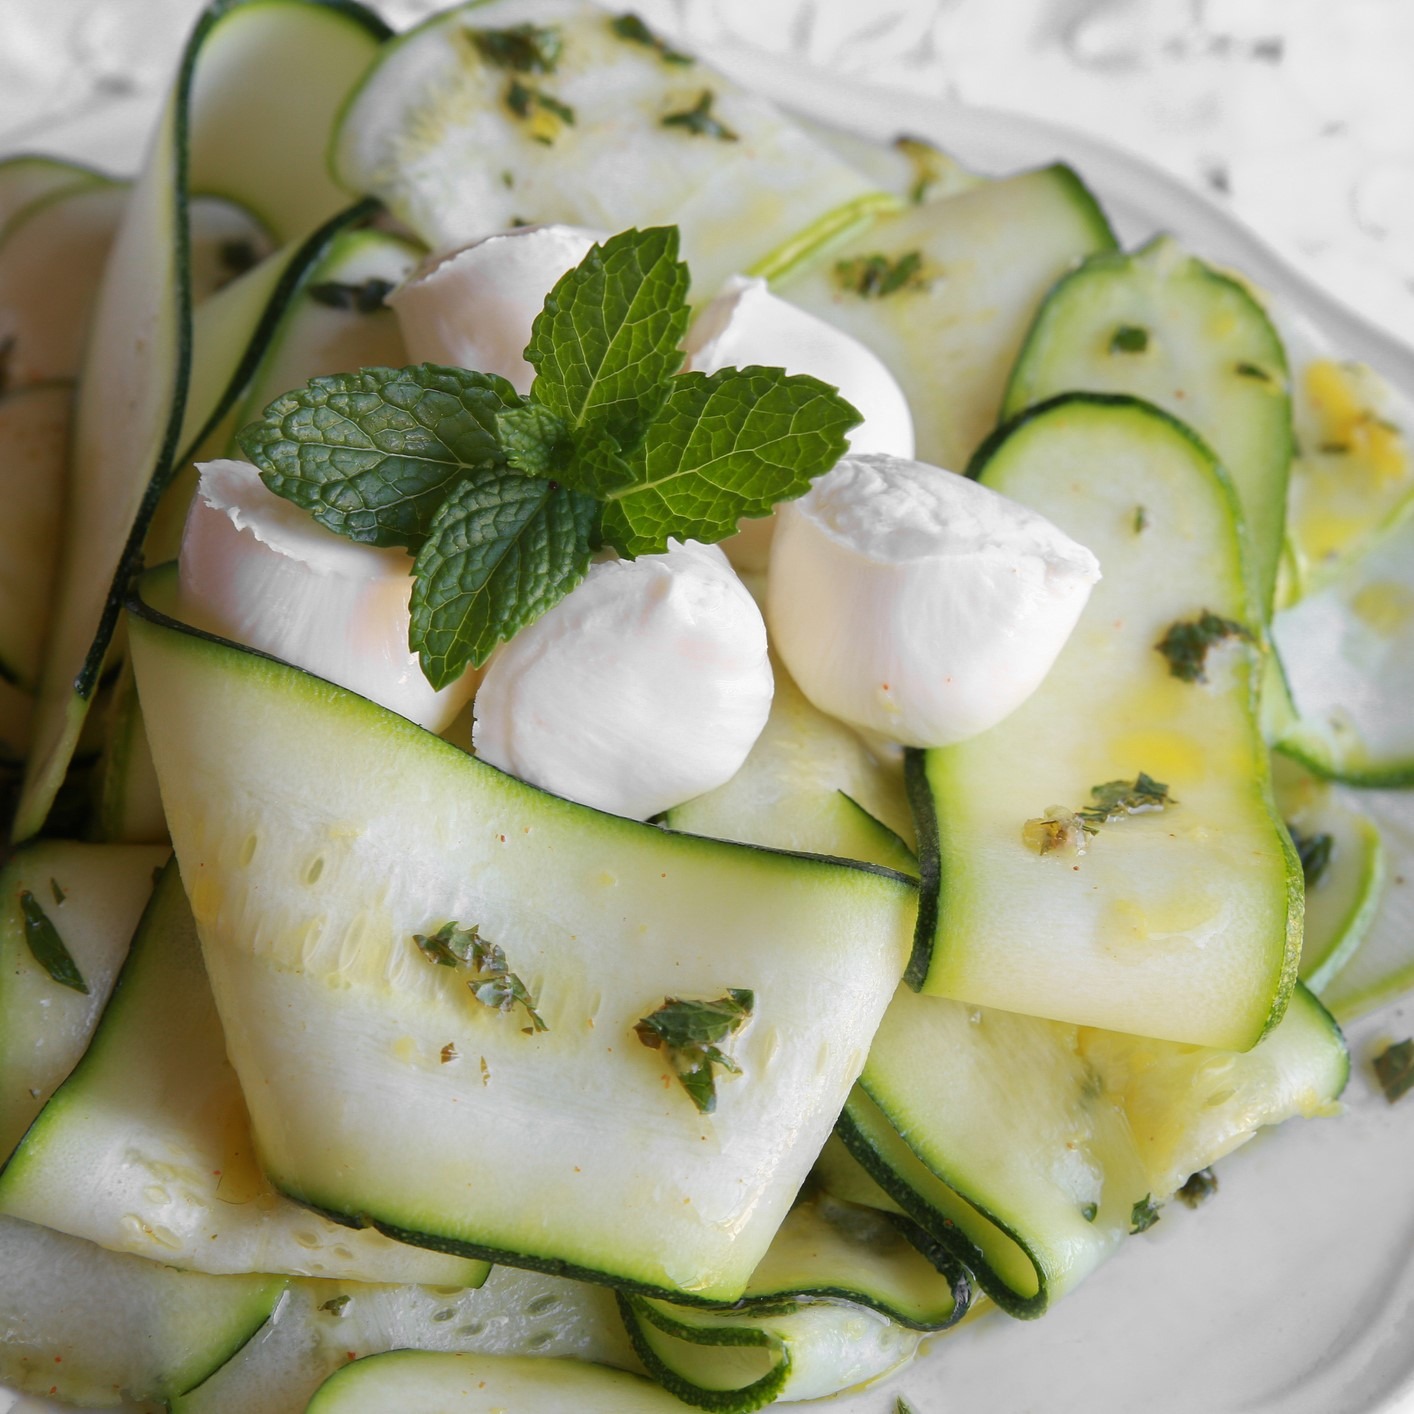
(645, 686)
(474, 307)
(746, 324)
(259, 570)
(918, 605)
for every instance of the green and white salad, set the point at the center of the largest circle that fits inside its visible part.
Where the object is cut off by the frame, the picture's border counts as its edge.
(655, 760)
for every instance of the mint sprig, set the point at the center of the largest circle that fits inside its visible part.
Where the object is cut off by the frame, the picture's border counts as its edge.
(502, 499)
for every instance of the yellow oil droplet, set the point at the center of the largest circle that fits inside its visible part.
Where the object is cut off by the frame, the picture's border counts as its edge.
(1335, 395)
(1172, 919)
(1169, 756)
(1385, 606)
(405, 1049)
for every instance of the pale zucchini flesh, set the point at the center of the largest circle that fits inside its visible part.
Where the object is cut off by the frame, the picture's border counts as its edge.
(950, 337)
(146, 1147)
(31, 177)
(342, 830)
(1162, 325)
(1182, 923)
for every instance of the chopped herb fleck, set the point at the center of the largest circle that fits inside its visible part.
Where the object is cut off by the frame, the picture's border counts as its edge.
(1116, 799)
(931, 166)
(1144, 1214)
(508, 179)
(365, 298)
(902, 1406)
(1252, 370)
(1394, 1069)
(59, 894)
(699, 120)
(631, 28)
(874, 276)
(1314, 852)
(1129, 338)
(238, 256)
(543, 111)
(494, 984)
(1141, 520)
(449, 1053)
(1200, 1187)
(690, 1032)
(336, 1305)
(1090, 1211)
(47, 947)
(1186, 643)
(1334, 449)
(523, 49)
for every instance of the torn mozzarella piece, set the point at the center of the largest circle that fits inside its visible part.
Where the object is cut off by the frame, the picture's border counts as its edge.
(474, 307)
(919, 605)
(647, 685)
(746, 324)
(259, 570)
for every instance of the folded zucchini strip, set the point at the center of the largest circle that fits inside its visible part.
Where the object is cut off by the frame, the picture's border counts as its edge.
(318, 848)
(144, 399)
(98, 1328)
(1180, 917)
(322, 1324)
(30, 177)
(966, 275)
(45, 1027)
(1162, 325)
(146, 1147)
(594, 128)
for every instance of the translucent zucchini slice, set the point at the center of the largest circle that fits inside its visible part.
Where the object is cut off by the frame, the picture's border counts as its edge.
(31, 177)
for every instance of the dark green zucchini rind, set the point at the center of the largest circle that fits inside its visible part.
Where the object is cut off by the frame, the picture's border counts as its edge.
(930, 864)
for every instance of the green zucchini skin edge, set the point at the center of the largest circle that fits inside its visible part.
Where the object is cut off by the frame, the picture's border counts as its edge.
(1393, 777)
(1086, 201)
(930, 864)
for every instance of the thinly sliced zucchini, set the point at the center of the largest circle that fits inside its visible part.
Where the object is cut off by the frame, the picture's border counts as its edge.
(34, 447)
(1181, 922)
(316, 849)
(102, 1328)
(127, 802)
(950, 333)
(322, 1324)
(809, 783)
(31, 177)
(146, 1147)
(485, 1384)
(1343, 860)
(597, 130)
(45, 1027)
(1348, 652)
(1383, 965)
(253, 100)
(1162, 325)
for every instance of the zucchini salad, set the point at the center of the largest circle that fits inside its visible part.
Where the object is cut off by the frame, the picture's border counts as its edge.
(655, 758)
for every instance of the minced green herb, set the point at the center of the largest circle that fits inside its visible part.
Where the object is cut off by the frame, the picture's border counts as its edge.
(47, 947)
(1187, 642)
(530, 103)
(1314, 852)
(1199, 1188)
(631, 28)
(1141, 520)
(1334, 449)
(365, 298)
(494, 984)
(523, 49)
(875, 276)
(1144, 1214)
(931, 166)
(691, 1032)
(700, 121)
(1394, 1069)
(1090, 1211)
(1063, 831)
(59, 894)
(1129, 338)
(1251, 370)
(336, 1305)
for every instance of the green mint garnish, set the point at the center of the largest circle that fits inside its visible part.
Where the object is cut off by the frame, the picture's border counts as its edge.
(1186, 643)
(365, 298)
(1116, 799)
(1141, 520)
(699, 120)
(1090, 1211)
(1199, 1187)
(372, 455)
(631, 28)
(876, 276)
(1251, 370)
(47, 947)
(523, 49)
(59, 894)
(1144, 1214)
(542, 110)
(502, 498)
(1394, 1069)
(1314, 852)
(1334, 449)
(902, 1406)
(336, 1305)
(502, 550)
(493, 983)
(931, 165)
(1130, 339)
(691, 1033)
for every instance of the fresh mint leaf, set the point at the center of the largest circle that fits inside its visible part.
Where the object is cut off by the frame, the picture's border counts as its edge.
(523, 48)
(502, 550)
(631, 28)
(47, 947)
(606, 342)
(372, 455)
(492, 983)
(724, 446)
(1116, 799)
(1394, 1069)
(1186, 644)
(690, 1032)
(700, 121)
(597, 466)
(1144, 1214)
(534, 440)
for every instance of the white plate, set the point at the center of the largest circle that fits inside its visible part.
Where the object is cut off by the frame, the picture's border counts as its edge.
(1292, 1290)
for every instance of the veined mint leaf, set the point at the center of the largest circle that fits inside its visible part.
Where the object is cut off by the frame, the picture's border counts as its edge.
(597, 467)
(47, 947)
(606, 342)
(372, 455)
(533, 439)
(725, 446)
(502, 550)
(689, 1031)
